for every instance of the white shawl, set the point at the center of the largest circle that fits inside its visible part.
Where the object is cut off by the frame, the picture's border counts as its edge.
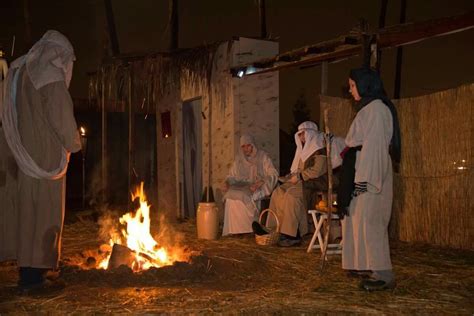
(49, 60)
(258, 166)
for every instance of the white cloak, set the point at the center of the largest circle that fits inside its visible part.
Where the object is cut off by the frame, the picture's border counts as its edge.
(365, 230)
(241, 205)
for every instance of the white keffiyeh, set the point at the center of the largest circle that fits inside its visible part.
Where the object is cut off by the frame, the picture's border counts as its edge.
(314, 142)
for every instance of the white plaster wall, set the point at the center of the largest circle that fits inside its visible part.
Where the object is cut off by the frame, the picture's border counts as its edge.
(219, 119)
(167, 188)
(231, 106)
(256, 98)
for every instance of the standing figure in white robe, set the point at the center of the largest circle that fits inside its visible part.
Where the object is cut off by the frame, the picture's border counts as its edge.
(251, 178)
(365, 228)
(41, 131)
(309, 166)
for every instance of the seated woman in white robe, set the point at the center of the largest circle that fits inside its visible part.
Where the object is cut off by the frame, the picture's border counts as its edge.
(251, 178)
(309, 166)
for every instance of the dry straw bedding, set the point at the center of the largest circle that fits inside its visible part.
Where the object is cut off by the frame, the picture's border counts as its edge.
(234, 275)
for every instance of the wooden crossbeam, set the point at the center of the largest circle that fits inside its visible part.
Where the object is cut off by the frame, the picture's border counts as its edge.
(339, 54)
(352, 45)
(415, 32)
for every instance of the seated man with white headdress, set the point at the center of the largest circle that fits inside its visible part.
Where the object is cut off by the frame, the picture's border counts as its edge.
(309, 167)
(251, 178)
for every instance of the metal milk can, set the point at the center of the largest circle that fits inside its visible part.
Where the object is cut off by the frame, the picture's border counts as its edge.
(207, 219)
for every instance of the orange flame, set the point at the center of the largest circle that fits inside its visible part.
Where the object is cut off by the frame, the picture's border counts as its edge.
(137, 237)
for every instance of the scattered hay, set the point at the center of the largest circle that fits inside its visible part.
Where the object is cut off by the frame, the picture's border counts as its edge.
(234, 275)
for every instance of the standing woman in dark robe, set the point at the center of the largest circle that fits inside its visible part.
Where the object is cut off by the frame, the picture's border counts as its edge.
(366, 191)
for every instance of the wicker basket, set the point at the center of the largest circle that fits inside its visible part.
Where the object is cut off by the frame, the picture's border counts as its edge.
(273, 235)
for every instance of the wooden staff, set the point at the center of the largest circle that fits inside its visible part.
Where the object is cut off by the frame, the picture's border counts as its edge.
(329, 167)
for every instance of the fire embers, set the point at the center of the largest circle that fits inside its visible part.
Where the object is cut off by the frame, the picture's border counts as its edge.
(121, 255)
(89, 259)
(134, 245)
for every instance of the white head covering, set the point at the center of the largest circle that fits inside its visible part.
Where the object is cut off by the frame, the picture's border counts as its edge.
(314, 141)
(49, 60)
(247, 139)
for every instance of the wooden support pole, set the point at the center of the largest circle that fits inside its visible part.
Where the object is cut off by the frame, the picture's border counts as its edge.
(398, 66)
(27, 20)
(374, 52)
(324, 78)
(263, 19)
(209, 193)
(382, 15)
(104, 138)
(111, 28)
(130, 134)
(173, 25)
(366, 40)
(327, 138)
(209, 139)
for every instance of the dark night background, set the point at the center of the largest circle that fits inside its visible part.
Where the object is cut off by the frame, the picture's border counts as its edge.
(428, 66)
(142, 27)
(431, 208)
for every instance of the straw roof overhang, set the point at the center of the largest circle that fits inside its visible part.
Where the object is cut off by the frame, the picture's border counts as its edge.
(189, 53)
(127, 80)
(352, 44)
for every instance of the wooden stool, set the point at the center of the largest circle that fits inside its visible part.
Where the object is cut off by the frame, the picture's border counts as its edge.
(318, 223)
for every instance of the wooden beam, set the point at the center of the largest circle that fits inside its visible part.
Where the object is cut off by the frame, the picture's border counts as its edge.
(260, 64)
(340, 54)
(415, 32)
(288, 58)
(351, 40)
(386, 38)
(324, 78)
(323, 47)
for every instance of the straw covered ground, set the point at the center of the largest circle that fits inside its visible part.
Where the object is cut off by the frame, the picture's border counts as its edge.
(234, 275)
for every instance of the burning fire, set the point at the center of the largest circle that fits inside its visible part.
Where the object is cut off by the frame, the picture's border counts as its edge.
(146, 250)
